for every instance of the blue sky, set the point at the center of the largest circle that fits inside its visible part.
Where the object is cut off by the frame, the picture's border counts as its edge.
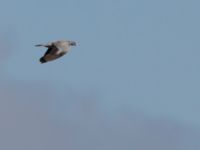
(137, 52)
(138, 55)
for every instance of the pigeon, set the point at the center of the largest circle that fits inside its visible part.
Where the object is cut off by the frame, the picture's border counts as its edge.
(55, 49)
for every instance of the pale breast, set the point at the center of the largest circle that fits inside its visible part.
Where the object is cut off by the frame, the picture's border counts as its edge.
(62, 46)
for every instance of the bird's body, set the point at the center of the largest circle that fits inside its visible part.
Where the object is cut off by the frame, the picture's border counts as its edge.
(56, 49)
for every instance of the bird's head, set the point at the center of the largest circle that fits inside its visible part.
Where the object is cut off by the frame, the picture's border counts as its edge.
(72, 43)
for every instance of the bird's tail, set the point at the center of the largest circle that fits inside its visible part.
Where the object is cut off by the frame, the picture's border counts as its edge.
(44, 45)
(42, 60)
(39, 45)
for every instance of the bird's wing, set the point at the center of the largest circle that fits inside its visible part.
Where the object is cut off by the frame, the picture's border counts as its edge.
(52, 50)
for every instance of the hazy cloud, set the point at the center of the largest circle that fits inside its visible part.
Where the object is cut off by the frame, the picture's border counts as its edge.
(31, 119)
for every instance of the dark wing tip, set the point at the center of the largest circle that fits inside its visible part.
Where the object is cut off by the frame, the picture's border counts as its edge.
(42, 60)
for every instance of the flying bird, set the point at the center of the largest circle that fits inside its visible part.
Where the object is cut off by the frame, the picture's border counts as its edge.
(55, 49)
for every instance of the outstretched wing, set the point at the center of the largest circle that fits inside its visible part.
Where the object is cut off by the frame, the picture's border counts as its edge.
(50, 54)
(51, 50)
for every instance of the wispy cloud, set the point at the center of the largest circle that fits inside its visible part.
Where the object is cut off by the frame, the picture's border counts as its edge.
(31, 119)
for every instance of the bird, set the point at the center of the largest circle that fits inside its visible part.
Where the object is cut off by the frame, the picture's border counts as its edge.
(55, 49)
